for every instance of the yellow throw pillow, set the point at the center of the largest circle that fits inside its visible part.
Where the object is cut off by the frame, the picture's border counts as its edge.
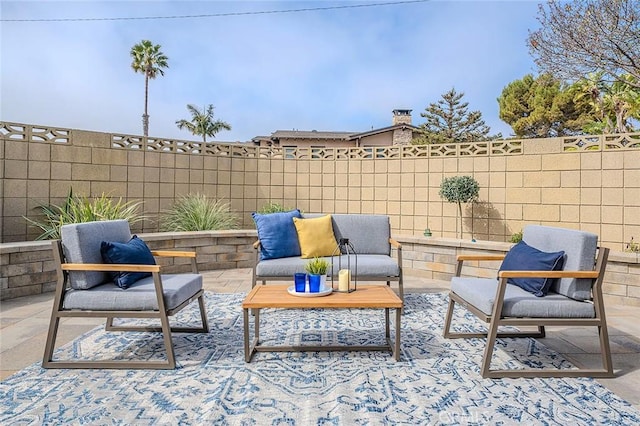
(315, 236)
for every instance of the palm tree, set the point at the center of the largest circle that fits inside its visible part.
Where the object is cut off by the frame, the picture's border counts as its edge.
(623, 102)
(149, 60)
(614, 104)
(202, 123)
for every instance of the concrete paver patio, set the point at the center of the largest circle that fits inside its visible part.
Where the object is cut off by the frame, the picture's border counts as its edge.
(24, 322)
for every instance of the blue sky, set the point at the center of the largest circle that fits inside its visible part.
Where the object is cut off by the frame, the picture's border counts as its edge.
(344, 69)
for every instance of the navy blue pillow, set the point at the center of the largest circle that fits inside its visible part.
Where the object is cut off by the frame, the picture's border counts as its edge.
(523, 257)
(277, 234)
(134, 252)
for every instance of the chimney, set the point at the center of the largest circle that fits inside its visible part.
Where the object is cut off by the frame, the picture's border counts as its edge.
(401, 116)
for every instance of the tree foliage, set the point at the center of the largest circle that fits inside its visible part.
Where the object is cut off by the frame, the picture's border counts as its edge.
(543, 107)
(202, 122)
(449, 120)
(149, 60)
(580, 37)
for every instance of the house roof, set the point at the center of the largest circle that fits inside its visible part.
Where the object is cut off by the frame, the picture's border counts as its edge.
(383, 130)
(331, 135)
(312, 134)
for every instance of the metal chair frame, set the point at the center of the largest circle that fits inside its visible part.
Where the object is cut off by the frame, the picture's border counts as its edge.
(162, 313)
(496, 320)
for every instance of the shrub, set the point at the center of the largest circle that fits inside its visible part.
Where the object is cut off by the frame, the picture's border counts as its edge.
(196, 212)
(78, 209)
(516, 237)
(273, 208)
(632, 246)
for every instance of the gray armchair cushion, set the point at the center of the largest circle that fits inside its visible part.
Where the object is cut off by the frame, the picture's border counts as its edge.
(140, 296)
(481, 293)
(580, 253)
(81, 244)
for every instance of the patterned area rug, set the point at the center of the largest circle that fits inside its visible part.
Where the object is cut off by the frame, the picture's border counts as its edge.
(437, 381)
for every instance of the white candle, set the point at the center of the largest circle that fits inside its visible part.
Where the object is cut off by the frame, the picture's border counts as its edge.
(344, 276)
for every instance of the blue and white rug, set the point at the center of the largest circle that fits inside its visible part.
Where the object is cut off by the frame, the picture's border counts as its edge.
(437, 381)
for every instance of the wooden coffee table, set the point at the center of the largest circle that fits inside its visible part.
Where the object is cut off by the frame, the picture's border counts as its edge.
(276, 296)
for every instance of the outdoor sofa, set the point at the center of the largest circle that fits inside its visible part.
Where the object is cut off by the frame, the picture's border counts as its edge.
(280, 251)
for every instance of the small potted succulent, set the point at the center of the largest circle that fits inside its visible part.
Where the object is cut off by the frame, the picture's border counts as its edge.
(317, 270)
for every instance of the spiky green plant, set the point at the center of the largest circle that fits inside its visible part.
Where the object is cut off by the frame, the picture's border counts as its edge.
(78, 209)
(317, 266)
(196, 212)
(273, 208)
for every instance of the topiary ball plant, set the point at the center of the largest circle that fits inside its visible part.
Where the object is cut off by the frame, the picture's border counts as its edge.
(459, 189)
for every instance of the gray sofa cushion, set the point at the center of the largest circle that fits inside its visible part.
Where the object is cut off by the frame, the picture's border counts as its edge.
(140, 296)
(580, 253)
(368, 265)
(369, 233)
(81, 244)
(481, 293)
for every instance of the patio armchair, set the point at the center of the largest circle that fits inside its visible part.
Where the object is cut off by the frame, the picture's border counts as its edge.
(573, 279)
(86, 288)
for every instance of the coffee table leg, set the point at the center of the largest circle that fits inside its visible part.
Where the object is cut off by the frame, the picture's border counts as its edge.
(387, 331)
(245, 318)
(257, 324)
(397, 350)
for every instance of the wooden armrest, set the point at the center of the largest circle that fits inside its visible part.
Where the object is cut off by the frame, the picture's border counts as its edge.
(109, 267)
(548, 274)
(481, 257)
(395, 243)
(173, 253)
(256, 245)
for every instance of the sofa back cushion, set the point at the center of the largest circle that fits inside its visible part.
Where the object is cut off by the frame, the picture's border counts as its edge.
(81, 244)
(277, 234)
(580, 253)
(369, 234)
(316, 236)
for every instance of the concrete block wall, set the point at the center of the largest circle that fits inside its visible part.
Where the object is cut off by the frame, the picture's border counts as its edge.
(556, 181)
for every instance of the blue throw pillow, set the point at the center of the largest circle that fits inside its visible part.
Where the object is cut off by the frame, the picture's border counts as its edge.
(523, 257)
(277, 234)
(134, 252)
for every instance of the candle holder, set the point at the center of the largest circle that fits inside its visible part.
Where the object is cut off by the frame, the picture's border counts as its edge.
(348, 277)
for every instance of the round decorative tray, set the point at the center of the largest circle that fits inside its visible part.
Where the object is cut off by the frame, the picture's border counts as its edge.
(323, 292)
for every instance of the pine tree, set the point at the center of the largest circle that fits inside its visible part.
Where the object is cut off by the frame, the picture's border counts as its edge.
(449, 120)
